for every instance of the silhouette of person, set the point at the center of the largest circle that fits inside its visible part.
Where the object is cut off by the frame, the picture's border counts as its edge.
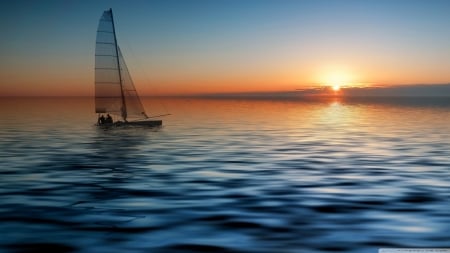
(109, 119)
(101, 120)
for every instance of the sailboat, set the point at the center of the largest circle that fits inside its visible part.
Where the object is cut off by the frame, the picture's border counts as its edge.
(114, 89)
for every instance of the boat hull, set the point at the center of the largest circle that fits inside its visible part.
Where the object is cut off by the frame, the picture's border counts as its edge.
(141, 123)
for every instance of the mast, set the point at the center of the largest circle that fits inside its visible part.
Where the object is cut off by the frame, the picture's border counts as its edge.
(124, 107)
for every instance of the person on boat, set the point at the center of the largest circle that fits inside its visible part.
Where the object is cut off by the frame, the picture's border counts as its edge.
(109, 119)
(101, 120)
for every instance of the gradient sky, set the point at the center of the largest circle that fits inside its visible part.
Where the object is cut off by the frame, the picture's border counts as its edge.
(180, 47)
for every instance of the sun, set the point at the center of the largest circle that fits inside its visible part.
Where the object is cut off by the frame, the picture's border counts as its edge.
(336, 79)
(336, 87)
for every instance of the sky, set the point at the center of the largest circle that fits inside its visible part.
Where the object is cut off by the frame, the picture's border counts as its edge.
(192, 46)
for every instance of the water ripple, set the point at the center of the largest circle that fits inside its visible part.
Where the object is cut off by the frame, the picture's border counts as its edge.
(338, 180)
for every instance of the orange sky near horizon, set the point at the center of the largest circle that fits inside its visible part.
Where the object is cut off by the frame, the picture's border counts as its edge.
(47, 83)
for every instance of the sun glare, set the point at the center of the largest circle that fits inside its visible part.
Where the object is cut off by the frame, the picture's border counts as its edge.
(336, 87)
(336, 79)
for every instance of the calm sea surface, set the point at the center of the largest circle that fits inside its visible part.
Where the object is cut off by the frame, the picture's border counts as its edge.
(226, 176)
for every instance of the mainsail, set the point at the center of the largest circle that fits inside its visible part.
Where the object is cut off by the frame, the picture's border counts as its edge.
(114, 89)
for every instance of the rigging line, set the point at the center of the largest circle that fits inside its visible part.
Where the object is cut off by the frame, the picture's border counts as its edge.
(157, 116)
(109, 55)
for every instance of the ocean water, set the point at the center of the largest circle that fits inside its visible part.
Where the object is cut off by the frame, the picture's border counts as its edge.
(226, 175)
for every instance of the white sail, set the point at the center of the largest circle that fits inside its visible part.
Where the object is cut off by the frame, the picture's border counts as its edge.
(107, 80)
(114, 89)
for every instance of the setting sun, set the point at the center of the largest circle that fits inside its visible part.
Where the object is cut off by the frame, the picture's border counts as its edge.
(336, 78)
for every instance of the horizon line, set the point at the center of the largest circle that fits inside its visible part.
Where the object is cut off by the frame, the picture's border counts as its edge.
(399, 90)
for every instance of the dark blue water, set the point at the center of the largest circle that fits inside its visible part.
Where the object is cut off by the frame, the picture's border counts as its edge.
(226, 176)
